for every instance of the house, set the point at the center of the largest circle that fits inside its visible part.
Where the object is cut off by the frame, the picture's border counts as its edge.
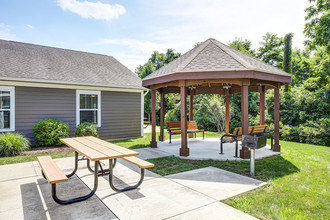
(38, 82)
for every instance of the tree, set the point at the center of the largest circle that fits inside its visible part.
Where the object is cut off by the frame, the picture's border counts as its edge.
(156, 61)
(217, 112)
(317, 26)
(271, 50)
(287, 57)
(242, 45)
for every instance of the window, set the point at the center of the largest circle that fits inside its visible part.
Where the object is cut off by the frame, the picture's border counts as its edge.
(7, 108)
(88, 107)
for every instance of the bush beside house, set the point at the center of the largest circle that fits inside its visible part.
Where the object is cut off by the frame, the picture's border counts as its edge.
(12, 144)
(49, 131)
(87, 129)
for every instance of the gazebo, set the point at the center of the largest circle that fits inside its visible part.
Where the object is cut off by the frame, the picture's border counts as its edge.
(215, 68)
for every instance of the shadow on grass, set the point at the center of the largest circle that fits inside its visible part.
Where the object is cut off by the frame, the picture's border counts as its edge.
(265, 169)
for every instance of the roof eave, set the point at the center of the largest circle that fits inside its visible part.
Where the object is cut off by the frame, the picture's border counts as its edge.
(225, 74)
(71, 83)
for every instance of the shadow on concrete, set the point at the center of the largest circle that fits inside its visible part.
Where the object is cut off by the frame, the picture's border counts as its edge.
(32, 203)
(34, 208)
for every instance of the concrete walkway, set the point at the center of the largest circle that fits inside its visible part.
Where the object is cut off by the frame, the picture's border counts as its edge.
(189, 195)
(207, 149)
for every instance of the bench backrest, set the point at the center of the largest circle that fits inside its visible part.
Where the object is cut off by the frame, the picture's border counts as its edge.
(174, 125)
(238, 131)
(191, 125)
(252, 129)
(260, 129)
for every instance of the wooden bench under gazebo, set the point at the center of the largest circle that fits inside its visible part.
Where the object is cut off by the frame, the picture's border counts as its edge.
(215, 68)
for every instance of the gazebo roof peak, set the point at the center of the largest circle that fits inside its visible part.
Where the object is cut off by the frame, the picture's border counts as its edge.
(214, 56)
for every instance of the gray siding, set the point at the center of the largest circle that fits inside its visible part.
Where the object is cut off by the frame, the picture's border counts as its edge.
(121, 115)
(120, 111)
(35, 104)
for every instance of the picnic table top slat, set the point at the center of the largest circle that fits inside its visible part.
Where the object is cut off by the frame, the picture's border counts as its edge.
(105, 150)
(88, 152)
(125, 151)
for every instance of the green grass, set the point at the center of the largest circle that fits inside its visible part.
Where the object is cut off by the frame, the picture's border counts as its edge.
(144, 142)
(22, 159)
(298, 182)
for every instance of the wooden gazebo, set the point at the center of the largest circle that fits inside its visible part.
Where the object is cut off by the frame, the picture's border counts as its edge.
(215, 68)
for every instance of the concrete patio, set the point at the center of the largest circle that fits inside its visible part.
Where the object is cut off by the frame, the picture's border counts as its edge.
(188, 195)
(208, 148)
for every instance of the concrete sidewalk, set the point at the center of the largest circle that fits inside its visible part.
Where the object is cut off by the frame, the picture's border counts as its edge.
(189, 195)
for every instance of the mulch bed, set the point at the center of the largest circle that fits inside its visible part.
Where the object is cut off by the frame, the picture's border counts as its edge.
(47, 150)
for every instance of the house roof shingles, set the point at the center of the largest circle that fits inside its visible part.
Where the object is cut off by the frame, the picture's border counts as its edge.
(28, 62)
(213, 55)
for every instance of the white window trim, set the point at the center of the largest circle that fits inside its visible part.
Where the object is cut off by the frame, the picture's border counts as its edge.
(89, 92)
(11, 89)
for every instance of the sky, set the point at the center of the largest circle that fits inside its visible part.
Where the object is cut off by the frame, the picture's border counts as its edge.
(131, 30)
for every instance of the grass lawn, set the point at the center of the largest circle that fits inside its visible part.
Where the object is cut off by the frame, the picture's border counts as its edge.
(298, 182)
(22, 159)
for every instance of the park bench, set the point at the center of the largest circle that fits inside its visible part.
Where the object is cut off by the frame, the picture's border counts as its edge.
(175, 128)
(237, 136)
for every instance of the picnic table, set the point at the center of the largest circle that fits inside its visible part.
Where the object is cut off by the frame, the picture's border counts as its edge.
(92, 149)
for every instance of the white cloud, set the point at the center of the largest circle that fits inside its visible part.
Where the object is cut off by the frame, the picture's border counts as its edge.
(29, 26)
(5, 32)
(96, 10)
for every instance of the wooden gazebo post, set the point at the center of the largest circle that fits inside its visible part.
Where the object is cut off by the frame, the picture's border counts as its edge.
(227, 111)
(277, 146)
(262, 105)
(153, 142)
(184, 150)
(191, 109)
(162, 114)
(244, 152)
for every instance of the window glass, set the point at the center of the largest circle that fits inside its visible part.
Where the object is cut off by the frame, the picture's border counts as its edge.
(88, 116)
(4, 119)
(4, 100)
(88, 101)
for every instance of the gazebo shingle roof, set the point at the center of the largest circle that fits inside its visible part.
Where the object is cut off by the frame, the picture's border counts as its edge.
(29, 62)
(213, 55)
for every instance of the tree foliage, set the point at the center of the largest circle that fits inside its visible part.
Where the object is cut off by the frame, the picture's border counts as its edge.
(242, 45)
(317, 26)
(287, 56)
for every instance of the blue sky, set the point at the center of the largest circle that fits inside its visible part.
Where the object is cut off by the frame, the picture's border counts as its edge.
(131, 30)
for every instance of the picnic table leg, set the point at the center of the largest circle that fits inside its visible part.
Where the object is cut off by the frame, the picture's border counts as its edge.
(102, 171)
(126, 188)
(78, 199)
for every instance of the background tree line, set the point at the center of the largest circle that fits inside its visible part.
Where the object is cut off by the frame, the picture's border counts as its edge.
(304, 104)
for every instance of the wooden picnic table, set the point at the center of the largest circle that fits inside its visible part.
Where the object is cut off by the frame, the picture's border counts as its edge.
(92, 149)
(96, 149)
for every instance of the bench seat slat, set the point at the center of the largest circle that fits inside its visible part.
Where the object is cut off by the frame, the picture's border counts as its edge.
(138, 162)
(52, 172)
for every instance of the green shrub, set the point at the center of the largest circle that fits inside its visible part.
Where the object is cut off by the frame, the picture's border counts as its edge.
(49, 131)
(87, 129)
(12, 144)
(290, 133)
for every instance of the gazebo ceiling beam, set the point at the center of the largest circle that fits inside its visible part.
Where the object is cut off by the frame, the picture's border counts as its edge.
(213, 81)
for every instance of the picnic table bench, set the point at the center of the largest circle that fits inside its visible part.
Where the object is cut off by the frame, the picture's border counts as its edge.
(175, 128)
(237, 136)
(92, 149)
